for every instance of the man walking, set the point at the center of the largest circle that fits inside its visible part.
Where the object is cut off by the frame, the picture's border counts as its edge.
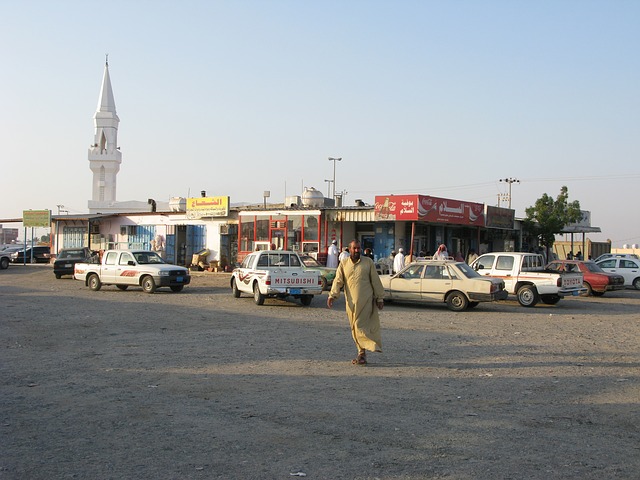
(364, 294)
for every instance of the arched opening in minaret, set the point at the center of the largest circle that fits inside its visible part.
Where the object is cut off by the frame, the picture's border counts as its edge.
(103, 142)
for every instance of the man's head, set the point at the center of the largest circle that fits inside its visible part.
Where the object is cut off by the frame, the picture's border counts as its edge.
(401, 250)
(335, 242)
(354, 250)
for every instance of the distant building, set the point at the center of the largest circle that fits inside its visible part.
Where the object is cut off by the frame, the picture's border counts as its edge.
(8, 235)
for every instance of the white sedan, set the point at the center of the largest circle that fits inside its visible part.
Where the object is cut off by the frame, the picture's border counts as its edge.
(629, 268)
(442, 281)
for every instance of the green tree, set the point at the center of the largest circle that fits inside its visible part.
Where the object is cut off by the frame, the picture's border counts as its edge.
(548, 217)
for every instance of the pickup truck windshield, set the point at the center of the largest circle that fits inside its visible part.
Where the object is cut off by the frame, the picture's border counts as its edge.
(146, 258)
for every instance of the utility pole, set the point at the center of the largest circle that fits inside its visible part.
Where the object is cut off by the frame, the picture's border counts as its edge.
(510, 181)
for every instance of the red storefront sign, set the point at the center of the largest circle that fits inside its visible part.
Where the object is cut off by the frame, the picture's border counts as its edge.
(428, 209)
(396, 207)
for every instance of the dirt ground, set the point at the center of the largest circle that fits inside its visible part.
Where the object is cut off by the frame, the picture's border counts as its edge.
(198, 384)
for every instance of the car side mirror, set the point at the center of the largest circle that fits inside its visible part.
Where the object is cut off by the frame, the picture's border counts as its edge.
(478, 266)
(132, 263)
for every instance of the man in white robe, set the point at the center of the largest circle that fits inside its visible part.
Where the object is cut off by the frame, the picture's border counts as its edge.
(332, 255)
(398, 261)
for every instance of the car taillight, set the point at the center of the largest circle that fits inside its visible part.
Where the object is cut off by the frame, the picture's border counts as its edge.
(559, 282)
(267, 281)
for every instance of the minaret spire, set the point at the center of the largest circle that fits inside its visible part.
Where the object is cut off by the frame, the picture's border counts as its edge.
(104, 154)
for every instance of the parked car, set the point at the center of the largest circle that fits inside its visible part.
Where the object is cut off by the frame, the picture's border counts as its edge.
(5, 254)
(525, 276)
(67, 258)
(616, 255)
(125, 268)
(275, 273)
(629, 268)
(327, 273)
(41, 254)
(5, 258)
(596, 281)
(454, 283)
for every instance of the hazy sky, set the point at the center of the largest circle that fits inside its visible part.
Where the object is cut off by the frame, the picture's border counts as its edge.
(238, 97)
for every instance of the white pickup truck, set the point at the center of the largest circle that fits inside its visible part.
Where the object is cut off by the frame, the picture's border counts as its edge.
(124, 268)
(525, 276)
(276, 273)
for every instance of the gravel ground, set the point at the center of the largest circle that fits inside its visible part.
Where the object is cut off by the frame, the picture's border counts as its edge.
(121, 384)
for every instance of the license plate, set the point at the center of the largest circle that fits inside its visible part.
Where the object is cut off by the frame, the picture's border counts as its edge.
(575, 294)
(294, 291)
(67, 265)
(179, 279)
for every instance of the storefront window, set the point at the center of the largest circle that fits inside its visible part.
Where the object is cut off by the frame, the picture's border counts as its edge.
(294, 232)
(262, 228)
(247, 236)
(310, 228)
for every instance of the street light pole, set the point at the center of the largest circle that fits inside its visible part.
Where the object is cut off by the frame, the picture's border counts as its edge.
(510, 180)
(328, 187)
(334, 160)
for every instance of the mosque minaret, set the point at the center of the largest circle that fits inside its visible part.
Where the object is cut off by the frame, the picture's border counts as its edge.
(104, 154)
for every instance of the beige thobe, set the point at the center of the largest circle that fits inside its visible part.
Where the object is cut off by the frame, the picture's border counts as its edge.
(362, 288)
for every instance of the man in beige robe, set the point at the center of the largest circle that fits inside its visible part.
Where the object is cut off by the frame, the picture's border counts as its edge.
(364, 294)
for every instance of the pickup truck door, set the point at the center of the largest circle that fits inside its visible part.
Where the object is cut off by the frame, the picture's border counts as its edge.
(501, 266)
(126, 274)
(109, 266)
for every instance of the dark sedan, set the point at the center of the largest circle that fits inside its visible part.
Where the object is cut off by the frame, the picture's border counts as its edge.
(67, 259)
(596, 280)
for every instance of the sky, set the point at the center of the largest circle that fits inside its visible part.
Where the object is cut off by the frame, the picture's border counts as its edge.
(440, 98)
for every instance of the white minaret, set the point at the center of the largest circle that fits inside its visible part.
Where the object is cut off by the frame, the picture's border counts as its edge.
(104, 156)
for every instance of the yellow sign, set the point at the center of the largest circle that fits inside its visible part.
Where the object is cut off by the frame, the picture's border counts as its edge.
(36, 218)
(200, 207)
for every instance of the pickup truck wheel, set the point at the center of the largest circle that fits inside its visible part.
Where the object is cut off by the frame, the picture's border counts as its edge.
(148, 284)
(550, 299)
(528, 296)
(234, 287)
(457, 301)
(589, 291)
(4, 263)
(257, 296)
(597, 294)
(122, 287)
(176, 288)
(94, 282)
(323, 283)
(636, 283)
(306, 300)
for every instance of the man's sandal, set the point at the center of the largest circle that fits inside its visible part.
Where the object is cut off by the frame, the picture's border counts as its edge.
(361, 359)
